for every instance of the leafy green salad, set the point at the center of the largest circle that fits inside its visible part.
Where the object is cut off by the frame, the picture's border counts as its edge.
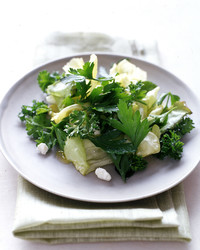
(98, 118)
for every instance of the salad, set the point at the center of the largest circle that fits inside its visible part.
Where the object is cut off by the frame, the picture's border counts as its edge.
(98, 118)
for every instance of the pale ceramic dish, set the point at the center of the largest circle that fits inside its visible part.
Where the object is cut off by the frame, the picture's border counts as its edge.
(62, 179)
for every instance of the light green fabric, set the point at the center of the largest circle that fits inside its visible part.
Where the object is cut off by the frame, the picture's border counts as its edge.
(44, 217)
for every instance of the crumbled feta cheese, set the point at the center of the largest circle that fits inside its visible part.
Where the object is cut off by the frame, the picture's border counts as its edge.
(102, 174)
(42, 148)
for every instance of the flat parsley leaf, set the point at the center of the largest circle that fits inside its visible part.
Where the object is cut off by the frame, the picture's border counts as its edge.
(106, 97)
(45, 79)
(130, 124)
(86, 71)
(113, 143)
(82, 89)
(139, 90)
(127, 164)
(170, 99)
(61, 136)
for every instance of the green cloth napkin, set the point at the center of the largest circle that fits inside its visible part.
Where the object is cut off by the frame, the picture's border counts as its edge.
(44, 217)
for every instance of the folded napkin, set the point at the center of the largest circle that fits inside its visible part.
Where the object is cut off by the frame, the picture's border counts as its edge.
(58, 45)
(44, 217)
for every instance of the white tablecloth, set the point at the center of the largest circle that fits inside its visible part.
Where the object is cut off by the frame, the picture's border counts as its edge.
(174, 24)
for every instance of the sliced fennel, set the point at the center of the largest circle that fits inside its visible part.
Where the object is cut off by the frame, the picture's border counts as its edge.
(58, 117)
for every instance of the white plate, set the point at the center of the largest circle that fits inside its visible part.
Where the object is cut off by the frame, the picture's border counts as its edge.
(49, 174)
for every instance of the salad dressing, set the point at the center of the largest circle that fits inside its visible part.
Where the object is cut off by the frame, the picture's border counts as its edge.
(61, 157)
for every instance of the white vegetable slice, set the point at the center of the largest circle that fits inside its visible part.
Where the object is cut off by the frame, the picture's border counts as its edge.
(58, 117)
(93, 58)
(50, 99)
(75, 63)
(85, 156)
(126, 72)
(151, 97)
(150, 145)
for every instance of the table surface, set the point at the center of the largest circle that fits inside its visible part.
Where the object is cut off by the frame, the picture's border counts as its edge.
(175, 26)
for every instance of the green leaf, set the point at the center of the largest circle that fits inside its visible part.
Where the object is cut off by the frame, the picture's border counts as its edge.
(170, 97)
(30, 111)
(137, 93)
(108, 94)
(82, 89)
(139, 90)
(48, 138)
(38, 123)
(111, 142)
(86, 71)
(174, 98)
(184, 126)
(96, 95)
(127, 164)
(45, 79)
(82, 124)
(65, 87)
(148, 86)
(61, 137)
(67, 101)
(175, 114)
(130, 124)
(171, 146)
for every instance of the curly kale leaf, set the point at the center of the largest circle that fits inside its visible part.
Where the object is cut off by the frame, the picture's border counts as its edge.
(184, 127)
(170, 142)
(171, 146)
(39, 126)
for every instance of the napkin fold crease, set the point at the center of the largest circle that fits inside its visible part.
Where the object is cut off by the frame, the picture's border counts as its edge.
(45, 217)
